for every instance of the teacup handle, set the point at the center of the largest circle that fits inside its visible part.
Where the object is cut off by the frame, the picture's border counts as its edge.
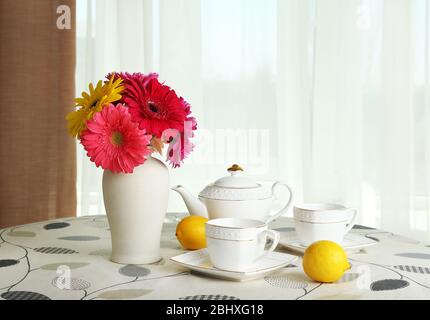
(275, 236)
(352, 221)
(284, 208)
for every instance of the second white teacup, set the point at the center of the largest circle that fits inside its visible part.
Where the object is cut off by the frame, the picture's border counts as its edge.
(323, 221)
(237, 244)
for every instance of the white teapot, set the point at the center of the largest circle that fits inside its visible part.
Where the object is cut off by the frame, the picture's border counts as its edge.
(235, 196)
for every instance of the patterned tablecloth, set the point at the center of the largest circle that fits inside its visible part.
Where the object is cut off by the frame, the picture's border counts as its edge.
(33, 256)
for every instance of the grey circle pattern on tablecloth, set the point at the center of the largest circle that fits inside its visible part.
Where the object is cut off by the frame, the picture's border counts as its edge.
(414, 255)
(70, 265)
(65, 283)
(8, 262)
(413, 269)
(23, 295)
(285, 281)
(101, 252)
(21, 233)
(55, 250)
(56, 225)
(123, 294)
(131, 270)
(388, 284)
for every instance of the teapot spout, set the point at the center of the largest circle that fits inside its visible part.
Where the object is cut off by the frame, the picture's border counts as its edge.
(194, 205)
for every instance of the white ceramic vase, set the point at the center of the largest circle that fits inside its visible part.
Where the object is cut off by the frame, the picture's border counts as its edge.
(136, 205)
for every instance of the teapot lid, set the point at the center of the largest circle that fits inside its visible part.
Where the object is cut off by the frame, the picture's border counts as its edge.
(236, 179)
(236, 186)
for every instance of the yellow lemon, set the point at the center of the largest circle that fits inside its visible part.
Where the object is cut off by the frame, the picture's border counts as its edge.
(191, 232)
(325, 261)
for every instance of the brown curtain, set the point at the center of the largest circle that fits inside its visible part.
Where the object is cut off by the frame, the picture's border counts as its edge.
(37, 72)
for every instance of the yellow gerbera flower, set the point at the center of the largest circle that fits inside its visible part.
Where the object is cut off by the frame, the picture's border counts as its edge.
(100, 96)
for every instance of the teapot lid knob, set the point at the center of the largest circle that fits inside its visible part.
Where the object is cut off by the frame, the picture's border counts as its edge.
(235, 167)
(235, 180)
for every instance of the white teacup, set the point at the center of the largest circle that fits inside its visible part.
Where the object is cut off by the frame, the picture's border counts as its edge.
(323, 221)
(237, 244)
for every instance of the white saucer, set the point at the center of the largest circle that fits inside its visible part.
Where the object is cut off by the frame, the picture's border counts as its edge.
(198, 261)
(351, 243)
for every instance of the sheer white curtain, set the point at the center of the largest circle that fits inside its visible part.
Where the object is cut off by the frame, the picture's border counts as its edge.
(331, 96)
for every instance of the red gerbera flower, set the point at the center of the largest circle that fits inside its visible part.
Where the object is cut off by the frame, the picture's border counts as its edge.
(155, 106)
(128, 77)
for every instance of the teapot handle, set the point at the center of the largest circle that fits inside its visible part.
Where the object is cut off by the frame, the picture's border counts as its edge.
(284, 208)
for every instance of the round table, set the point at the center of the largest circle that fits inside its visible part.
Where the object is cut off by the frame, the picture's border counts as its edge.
(35, 257)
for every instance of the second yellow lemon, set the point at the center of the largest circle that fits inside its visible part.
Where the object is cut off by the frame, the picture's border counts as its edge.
(325, 261)
(191, 232)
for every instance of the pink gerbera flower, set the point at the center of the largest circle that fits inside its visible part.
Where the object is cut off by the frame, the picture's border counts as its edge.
(180, 145)
(113, 141)
(155, 106)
